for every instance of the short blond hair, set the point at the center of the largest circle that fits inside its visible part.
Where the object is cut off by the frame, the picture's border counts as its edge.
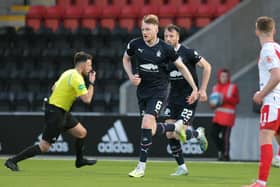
(151, 19)
(265, 24)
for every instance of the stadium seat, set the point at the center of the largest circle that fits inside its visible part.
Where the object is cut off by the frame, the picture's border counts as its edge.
(34, 16)
(138, 3)
(83, 3)
(110, 15)
(7, 35)
(176, 3)
(158, 3)
(186, 10)
(147, 9)
(205, 10)
(186, 22)
(53, 17)
(232, 3)
(101, 3)
(221, 9)
(166, 14)
(64, 3)
(72, 17)
(202, 21)
(91, 16)
(128, 17)
(120, 3)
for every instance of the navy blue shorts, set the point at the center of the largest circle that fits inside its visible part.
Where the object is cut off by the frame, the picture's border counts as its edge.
(184, 112)
(151, 106)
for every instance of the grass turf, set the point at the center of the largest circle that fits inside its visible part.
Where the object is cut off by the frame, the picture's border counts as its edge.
(62, 173)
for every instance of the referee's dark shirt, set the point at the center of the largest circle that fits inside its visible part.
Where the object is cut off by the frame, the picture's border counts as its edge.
(152, 66)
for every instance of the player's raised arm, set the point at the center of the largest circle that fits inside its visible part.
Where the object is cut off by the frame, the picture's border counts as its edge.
(86, 98)
(206, 72)
(187, 75)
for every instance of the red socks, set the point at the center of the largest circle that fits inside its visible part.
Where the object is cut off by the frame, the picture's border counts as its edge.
(265, 161)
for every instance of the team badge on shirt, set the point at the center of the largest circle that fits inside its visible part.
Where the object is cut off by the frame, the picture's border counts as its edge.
(158, 53)
(268, 59)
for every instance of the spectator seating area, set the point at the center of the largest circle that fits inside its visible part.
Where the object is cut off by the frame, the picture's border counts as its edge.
(32, 57)
(126, 13)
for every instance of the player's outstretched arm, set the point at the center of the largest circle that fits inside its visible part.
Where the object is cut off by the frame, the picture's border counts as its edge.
(135, 79)
(206, 72)
(188, 76)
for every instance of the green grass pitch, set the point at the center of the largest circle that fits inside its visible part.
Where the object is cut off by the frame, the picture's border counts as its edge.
(62, 173)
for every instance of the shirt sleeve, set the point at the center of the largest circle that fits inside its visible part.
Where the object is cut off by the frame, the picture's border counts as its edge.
(79, 85)
(270, 59)
(194, 56)
(173, 56)
(130, 48)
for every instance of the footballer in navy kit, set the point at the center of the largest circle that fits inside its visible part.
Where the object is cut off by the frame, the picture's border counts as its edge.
(178, 109)
(153, 55)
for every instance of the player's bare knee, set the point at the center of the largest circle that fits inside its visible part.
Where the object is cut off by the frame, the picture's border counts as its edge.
(82, 133)
(44, 146)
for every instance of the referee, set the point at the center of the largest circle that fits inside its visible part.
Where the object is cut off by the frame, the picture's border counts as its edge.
(66, 89)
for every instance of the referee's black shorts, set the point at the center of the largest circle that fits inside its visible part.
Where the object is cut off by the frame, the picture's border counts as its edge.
(57, 121)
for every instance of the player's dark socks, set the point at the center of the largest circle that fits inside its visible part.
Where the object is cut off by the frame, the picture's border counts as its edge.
(11, 165)
(162, 128)
(84, 162)
(176, 150)
(146, 141)
(27, 153)
(191, 134)
(79, 145)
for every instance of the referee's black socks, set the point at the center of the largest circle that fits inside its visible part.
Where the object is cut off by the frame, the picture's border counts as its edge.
(27, 153)
(79, 145)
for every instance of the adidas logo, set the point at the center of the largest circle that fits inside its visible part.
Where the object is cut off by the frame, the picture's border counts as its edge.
(190, 147)
(60, 146)
(115, 141)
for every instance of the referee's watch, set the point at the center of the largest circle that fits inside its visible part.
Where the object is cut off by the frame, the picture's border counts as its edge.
(91, 83)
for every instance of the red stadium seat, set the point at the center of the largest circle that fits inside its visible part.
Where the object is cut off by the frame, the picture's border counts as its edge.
(109, 16)
(35, 16)
(139, 3)
(156, 2)
(147, 9)
(53, 17)
(91, 16)
(128, 17)
(194, 2)
(166, 14)
(202, 21)
(72, 17)
(64, 3)
(187, 10)
(101, 3)
(186, 22)
(119, 3)
(214, 2)
(82, 3)
(205, 10)
(176, 3)
(232, 3)
(222, 9)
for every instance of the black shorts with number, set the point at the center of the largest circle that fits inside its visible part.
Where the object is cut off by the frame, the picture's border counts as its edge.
(178, 111)
(151, 106)
(57, 121)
